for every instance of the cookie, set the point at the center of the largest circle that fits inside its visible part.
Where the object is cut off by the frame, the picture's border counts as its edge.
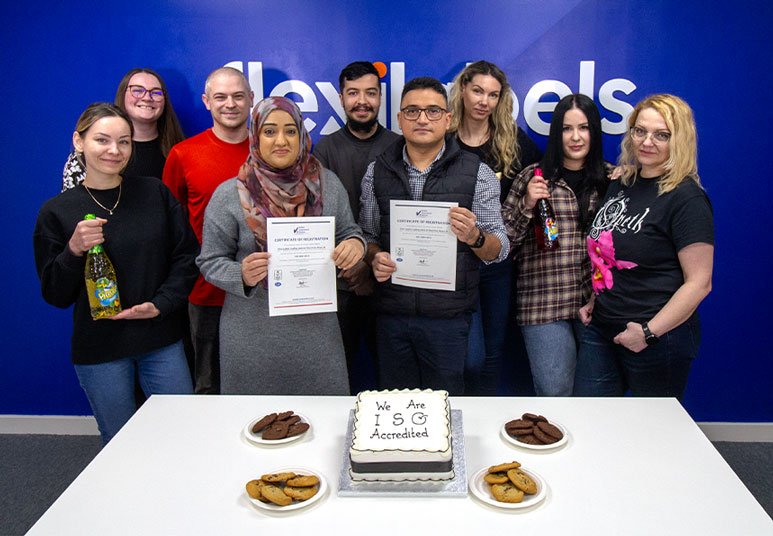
(529, 440)
(262, 423)
(275, 495)
(506, 493)
(522, 481)
(542, 436)
(300, 494)
(303, 481)
(253, 490)
(515, 432)
(533, 417)
(297, 429)
(518, 424)
(284, 415)
(496, 478)
(292, 420)
(278, 477)
(551, 430)
(278, 430)
(503, 467)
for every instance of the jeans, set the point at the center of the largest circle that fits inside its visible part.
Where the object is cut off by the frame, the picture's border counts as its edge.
(608, 369)
(552, 351)
(422, 352)
(488, 329)
(110, 386)
(205, 335)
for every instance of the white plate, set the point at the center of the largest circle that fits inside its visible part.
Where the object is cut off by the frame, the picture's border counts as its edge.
(480, 489)
(255, 438)
(322, 488)
(507, 437)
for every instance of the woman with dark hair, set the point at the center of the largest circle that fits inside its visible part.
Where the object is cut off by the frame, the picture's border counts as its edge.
(143, 96)
(652, 249)
(553, 285)
(259, 353)
(152, 248)
(482, 106)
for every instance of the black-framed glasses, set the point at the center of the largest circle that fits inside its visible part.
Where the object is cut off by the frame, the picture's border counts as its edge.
(639, 134)
(139, 91)
(433, 113)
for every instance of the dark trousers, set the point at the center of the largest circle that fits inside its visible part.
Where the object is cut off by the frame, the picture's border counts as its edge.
(205, 334)
(422, 352)
(608, 369)
(358, 321)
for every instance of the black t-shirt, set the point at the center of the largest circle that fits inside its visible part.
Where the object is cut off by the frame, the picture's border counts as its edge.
(572, 178)
(147, 160)
(649, 230)
(528, 153)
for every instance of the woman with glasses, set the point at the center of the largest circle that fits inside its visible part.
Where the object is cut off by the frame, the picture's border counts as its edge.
(259, 353)
(142, 95)
(482, 121)
(552, 285)
(652, 247)
(152, 247)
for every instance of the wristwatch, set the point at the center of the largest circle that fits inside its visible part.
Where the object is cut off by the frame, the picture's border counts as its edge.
(649, 337)
(480, 241)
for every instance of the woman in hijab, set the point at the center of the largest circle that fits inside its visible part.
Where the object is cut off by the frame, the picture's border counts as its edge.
(260, 354)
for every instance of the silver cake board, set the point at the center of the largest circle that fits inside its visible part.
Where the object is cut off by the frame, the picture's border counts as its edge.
(456, 487)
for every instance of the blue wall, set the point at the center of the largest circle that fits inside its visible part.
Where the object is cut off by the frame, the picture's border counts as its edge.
(57, 59)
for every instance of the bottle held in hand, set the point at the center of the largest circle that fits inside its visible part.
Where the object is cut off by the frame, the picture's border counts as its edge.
(101, 283)
(545, 225)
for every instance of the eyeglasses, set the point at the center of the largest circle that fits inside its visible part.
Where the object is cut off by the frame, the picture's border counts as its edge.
(433, 113)
(659, 138)
(138, 92)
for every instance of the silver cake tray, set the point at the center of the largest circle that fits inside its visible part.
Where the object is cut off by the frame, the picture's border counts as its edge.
(456, 487)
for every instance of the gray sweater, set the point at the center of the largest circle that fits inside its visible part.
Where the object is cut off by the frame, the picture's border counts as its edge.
(291, 355)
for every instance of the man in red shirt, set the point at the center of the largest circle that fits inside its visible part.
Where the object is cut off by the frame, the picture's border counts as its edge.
(194, 168)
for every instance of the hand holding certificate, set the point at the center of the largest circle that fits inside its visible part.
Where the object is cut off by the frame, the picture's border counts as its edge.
(301, 270)
(422, 244)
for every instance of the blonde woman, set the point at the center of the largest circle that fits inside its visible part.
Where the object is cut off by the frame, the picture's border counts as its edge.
(482, 121)
(651, 246)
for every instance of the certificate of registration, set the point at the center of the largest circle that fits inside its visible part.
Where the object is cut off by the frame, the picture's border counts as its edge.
(422, 244)
(301, 272)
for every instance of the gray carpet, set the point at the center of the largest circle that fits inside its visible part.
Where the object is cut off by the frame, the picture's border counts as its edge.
(36, 469)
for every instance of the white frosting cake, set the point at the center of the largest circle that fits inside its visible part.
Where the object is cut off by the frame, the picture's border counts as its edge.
(401, 435)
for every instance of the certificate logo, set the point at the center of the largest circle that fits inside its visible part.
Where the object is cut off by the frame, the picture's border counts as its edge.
(277, 275)
(423, 213)
(301, 230)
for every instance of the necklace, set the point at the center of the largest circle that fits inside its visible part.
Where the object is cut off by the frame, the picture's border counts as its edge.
(468, 139)
(108, 210)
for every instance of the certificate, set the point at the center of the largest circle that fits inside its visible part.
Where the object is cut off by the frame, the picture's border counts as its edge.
(301, 272)
(422, 244)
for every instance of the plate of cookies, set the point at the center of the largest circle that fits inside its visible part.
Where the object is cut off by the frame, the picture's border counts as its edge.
(508, 485)
(287, 489)
(534, 432)
(277, 428)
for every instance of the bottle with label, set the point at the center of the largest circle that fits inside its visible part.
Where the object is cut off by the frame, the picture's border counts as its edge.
(101, 283)
(545, 225)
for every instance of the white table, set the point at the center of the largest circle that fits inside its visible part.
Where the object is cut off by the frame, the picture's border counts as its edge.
(631, 466)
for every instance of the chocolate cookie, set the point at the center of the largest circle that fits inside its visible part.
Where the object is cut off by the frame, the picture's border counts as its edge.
(542, 436)
(297, 429)
(551, 430)
(292, 420)
(262, 423)
(529, 440)
(284, 415)
(534, 418)
(278, 430)
(515, 432)
(518, 424)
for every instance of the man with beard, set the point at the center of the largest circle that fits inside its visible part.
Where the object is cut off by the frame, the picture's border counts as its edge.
(347, 153)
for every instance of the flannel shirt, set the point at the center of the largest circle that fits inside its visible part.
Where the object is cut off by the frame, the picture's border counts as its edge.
(551, 285)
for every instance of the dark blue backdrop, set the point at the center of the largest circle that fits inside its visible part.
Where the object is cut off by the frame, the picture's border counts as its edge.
(57, 59)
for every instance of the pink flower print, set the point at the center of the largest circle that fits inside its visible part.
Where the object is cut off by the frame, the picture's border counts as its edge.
(602, 257)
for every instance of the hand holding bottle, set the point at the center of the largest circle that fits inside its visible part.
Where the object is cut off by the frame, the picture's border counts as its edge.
(87, 234)
(536, 189)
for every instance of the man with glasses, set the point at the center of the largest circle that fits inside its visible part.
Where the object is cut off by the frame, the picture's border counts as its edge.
(347, 152)
(421, 333)
(194, 168)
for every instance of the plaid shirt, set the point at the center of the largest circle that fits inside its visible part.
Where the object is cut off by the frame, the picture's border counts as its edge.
(552, 285)
(485, 202)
